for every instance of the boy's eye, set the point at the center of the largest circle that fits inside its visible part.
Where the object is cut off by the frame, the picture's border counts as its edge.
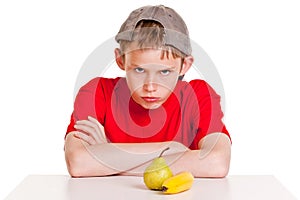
(139, 70)
(165, 72)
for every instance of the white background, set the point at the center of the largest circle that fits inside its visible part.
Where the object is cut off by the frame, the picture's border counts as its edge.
(255, 46)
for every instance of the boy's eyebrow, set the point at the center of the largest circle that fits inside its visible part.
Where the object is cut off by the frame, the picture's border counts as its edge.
(137, 65)
(165, 66)
(134, 65)
(170, 67)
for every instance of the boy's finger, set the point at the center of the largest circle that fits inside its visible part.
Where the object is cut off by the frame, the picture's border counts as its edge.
(85, 138)
(91, 128)
(99, 127)
(88, 130)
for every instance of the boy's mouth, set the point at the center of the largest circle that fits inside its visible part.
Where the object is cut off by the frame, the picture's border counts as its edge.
(151, 99)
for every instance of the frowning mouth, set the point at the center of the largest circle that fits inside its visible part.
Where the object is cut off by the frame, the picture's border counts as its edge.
(151, 99)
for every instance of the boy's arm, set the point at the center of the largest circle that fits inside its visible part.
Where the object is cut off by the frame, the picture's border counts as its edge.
(211, 160)
(79, 162)
(114, 158)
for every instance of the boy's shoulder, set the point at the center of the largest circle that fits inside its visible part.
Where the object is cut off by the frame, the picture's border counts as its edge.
(103, 85)
(195, 83)
(102, 81)
(196, 86)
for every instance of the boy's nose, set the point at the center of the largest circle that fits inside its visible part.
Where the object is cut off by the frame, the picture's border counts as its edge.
(150, 87)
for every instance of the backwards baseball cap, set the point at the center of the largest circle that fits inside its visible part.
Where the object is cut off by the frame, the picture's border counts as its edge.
(176, 32)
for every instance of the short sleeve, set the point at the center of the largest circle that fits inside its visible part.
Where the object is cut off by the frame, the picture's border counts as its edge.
(90, 101)
(208, 116)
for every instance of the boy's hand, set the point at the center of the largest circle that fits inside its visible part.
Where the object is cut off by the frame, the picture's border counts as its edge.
(90, 131)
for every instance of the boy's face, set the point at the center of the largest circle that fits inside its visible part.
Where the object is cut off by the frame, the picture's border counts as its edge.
(150, 78)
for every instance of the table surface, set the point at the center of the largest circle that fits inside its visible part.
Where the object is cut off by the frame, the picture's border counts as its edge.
(63, 187)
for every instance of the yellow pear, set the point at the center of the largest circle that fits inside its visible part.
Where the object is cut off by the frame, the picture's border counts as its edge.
(157, 172)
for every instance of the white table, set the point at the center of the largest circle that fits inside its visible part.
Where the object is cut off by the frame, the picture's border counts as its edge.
(62, 187)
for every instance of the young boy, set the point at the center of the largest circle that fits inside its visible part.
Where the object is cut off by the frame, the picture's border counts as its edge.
(120, 125)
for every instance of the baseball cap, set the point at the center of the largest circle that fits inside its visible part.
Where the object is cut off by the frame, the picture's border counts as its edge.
(176, 32)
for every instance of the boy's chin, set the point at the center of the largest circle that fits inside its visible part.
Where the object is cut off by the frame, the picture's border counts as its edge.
(151, 107)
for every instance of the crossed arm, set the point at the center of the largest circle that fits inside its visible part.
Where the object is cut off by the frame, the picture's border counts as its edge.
(87, 154)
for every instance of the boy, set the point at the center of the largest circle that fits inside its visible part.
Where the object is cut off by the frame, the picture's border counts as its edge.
(120, 125)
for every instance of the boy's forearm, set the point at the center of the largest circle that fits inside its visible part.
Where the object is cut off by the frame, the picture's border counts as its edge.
(79, 162)
(113, 158)
(211, 166)
(212, 160)
(133, 158)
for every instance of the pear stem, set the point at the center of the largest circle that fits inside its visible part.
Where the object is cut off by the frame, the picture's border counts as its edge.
(163, 151)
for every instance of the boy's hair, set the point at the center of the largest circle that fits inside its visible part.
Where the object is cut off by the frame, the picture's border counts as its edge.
(150, 34)
(155, 27)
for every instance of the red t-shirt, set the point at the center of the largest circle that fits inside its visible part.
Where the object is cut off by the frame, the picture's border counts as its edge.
(191, 112)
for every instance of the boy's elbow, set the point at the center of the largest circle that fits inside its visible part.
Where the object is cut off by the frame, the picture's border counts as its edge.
(74, 171)
(75, 162)
(73, 165)
(218, 166)
(221, 166)
(75, 157)
(221, 171)
(80, 164)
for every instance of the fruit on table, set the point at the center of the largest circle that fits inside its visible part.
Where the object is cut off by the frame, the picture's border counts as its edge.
(157, 172)
(178, 183)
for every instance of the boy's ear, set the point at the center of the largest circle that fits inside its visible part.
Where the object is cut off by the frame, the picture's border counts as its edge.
(119, 59)
(186, 65)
